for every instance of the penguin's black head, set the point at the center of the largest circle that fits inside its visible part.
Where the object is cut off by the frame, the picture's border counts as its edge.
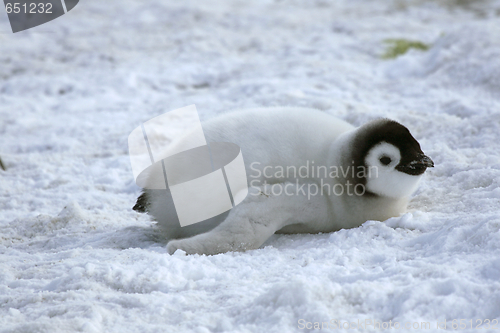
(392, 157)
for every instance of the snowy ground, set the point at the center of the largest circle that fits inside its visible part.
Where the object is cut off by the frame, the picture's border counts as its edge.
(75, 257)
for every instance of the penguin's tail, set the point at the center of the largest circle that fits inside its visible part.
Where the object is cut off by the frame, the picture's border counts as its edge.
(142, 203)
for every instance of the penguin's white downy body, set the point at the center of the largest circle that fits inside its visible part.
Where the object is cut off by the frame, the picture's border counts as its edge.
(307, 172)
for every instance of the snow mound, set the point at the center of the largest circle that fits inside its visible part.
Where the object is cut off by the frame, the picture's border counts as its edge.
(465, 58)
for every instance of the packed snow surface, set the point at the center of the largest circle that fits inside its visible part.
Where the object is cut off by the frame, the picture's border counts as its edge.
(74, 256)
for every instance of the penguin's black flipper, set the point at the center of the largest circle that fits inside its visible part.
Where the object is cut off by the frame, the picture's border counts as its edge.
(142, 203)
(1, 165)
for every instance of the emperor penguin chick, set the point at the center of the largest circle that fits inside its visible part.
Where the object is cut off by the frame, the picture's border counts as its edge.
(307, 172)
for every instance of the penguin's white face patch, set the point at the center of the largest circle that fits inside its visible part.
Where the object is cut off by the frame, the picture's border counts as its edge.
(382, 177)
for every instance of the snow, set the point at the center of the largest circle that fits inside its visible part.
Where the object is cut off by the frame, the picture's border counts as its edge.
(74, 256)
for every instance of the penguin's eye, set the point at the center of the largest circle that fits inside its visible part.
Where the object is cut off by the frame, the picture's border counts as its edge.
(385, 160)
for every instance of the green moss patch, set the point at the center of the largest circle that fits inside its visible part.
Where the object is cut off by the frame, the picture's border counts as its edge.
(397, 47)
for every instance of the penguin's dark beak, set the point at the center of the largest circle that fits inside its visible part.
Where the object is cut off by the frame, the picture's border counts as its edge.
(417, 166)
(425, 161)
